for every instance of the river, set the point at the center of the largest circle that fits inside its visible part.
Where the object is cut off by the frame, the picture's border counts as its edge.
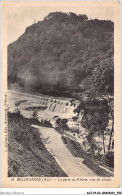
(73, 166)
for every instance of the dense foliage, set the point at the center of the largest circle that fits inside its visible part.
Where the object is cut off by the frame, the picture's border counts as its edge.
(57, 55)
(102, 79)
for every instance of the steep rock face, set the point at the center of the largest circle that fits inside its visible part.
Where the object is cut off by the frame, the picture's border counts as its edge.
(57, 55)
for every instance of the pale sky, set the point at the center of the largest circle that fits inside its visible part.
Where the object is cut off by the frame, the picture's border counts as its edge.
(22, 14)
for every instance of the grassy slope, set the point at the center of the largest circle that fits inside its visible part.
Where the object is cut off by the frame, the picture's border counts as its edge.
(27, 154)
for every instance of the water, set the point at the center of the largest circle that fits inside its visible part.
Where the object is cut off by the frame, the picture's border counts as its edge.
(73, 166)
(54, 107)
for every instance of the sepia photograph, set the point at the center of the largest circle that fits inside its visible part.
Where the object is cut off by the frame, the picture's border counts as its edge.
(59, 97)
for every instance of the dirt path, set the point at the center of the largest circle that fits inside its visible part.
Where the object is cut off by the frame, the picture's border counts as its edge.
(71, 165)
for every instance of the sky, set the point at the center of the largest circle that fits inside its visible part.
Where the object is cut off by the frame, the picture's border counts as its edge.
(20, 15)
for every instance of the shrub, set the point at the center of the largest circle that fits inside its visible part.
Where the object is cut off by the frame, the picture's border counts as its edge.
(35, 114)
(17, 112)
(108, 159)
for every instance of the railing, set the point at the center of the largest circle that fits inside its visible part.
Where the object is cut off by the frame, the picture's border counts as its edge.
(97, 159)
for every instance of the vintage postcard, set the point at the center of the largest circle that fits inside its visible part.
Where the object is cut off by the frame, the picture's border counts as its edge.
(60, 94)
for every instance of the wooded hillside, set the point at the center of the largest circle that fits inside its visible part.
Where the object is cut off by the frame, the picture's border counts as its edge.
(56, 56)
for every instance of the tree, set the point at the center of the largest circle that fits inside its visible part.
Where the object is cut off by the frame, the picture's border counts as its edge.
(102, 79)
(102, 85)
(95, 121)
(35, 114)
(83, 17)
